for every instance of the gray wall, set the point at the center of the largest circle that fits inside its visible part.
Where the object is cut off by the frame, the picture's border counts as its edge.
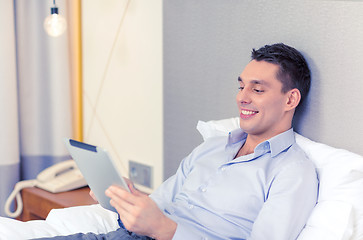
(207, 43)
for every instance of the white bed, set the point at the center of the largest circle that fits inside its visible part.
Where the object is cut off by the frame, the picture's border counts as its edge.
(338, 214)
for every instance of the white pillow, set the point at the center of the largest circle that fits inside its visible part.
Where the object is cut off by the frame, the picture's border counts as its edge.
(339, 211)
(340, 181)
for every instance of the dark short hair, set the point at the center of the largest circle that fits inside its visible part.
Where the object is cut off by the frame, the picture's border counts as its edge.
(294, 71)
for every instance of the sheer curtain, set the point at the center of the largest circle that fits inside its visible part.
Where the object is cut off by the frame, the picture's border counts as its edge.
(9, 142)
(35, 92)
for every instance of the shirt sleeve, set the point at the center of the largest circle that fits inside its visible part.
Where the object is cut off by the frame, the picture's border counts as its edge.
(291, 198)
(167, 191)
(165, 194)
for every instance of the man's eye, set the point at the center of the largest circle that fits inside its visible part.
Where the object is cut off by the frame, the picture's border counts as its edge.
(241, 88)
(258, 90)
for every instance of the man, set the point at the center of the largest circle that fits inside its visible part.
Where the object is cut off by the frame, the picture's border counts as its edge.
(254, 184)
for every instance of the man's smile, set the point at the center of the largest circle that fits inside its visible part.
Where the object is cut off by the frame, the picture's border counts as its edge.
(247, 113)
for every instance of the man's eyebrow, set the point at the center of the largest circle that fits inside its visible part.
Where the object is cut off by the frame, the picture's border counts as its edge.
(256, 82)
(260, 82)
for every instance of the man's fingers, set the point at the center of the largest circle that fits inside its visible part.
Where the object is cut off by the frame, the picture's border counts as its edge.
(123, 201)
(93, 195)
(127, 218)
(120, 193)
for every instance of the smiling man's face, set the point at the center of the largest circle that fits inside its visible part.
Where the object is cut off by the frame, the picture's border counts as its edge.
(262, 104)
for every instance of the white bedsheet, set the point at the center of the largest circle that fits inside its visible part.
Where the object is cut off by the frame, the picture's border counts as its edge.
(60, 222)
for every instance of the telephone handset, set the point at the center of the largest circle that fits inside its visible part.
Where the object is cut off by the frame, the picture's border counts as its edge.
(63, 176)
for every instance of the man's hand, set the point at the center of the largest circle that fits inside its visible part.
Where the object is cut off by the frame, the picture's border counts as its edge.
(140, 214)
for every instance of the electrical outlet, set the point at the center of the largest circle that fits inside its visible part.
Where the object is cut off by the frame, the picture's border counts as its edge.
(141, 174)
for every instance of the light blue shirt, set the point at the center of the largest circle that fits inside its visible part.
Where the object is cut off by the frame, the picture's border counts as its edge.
(268, 194)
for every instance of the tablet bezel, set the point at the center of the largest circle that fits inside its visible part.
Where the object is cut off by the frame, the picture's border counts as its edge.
(97, 168)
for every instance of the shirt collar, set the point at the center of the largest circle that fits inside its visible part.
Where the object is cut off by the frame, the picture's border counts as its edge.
(281, 142)
(236, 136)
(276, 144)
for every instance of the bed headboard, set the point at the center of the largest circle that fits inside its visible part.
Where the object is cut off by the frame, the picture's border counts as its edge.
(207, 43)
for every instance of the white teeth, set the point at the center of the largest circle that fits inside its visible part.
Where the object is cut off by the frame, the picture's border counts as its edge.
(246, 112)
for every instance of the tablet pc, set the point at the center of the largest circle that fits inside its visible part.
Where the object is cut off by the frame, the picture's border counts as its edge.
(97, 168)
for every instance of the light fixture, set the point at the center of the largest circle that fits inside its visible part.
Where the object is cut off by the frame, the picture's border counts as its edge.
(55, 24)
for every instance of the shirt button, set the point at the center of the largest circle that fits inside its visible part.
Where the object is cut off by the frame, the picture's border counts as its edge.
(204, 189)
(223, 169)
(191, 206)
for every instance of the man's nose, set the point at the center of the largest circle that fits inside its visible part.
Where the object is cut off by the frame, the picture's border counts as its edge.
(243, 96)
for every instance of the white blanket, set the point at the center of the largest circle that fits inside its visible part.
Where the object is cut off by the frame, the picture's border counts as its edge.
(61, 222)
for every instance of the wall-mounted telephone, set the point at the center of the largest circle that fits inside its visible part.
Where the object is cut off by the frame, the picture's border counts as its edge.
(63, 176)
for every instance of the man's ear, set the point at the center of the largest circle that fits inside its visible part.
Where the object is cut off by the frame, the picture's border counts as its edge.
(293, 98)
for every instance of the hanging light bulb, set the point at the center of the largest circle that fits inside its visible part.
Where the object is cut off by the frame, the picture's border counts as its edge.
(55, 24)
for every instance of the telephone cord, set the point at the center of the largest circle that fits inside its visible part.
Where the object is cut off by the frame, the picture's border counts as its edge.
(16, 194)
